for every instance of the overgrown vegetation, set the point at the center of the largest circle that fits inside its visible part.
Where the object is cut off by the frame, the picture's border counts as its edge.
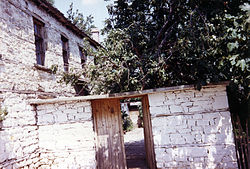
(83, 23)
(140, 117)
(51, 1)
(127, 123)
(152, 44)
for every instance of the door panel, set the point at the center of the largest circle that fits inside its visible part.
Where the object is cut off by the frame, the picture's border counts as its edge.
(108, 127)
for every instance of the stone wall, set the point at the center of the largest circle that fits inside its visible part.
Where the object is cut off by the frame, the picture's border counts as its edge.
(59, 135)
(18, 133)
(21, 80)
(66, 135)
(17, 49)
(192, 129)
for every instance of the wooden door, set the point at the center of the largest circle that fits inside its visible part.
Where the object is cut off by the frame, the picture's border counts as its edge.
(108, 127)
(148, 136)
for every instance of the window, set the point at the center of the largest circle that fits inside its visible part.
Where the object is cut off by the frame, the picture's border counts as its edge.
(39, 42)
(83, 56)
(65, 52)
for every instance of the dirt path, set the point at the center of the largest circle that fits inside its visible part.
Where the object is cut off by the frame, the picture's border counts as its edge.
(135, 150)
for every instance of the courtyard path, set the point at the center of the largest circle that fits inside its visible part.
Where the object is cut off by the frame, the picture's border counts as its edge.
(135, 150)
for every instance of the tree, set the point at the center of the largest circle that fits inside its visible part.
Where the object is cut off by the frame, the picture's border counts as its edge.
(156, 43)
(83, 23)
(51, 1)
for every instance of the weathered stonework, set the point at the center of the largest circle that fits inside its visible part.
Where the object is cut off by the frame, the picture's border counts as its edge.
(19, 133)
(21, 80)
(66, 135)
(192, 129)
(17, 70)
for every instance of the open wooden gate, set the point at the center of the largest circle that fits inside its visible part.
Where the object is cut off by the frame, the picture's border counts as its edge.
(148, 136)
(110, 144)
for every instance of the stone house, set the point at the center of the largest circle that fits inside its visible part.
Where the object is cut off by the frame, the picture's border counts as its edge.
(34, 36)
(47, 127)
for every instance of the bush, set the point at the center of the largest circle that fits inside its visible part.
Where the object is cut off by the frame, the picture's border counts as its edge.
(127, 123)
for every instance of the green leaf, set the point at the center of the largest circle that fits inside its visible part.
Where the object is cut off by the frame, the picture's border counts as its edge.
(242, 64)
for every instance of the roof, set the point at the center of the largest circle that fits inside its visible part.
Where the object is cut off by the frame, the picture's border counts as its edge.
(122, 95)
(54, 12)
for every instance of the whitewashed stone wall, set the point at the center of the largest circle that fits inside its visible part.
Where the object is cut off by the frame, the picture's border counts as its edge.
(192, 129)
(66, 135)
(21, 81)
(18, 133)
(17, 49)
(47, 136)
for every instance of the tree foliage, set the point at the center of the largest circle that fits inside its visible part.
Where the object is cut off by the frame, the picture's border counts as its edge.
(152, 43)
(51, 1)
(77, 18)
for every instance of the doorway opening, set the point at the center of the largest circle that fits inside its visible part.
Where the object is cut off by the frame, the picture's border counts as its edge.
(108, 125)
(133, 129)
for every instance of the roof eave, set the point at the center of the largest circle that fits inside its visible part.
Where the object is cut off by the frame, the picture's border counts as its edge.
(61, 18)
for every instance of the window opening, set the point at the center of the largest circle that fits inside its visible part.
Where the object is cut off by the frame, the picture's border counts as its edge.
(39, 42)
(65, 52)
(83, 56)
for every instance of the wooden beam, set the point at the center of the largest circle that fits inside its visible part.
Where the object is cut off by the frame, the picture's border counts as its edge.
(122, 95)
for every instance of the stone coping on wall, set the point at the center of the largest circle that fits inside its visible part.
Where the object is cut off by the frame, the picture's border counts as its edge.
(122, 95)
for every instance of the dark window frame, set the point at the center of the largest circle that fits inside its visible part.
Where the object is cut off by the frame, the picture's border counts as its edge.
(39, 41)
(65, 52)
(83, 56)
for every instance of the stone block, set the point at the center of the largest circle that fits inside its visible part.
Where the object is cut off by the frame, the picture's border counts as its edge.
(187, 104)
(191, 122)
(226, 118)
(156, 99)
(61, 118)
(198, 94)
(203, 122)
(80, 109)
(220, 102)
(170, 95)
(159, 110)
(4, 154)
(212, 129)
(45, 107)
(181, 100)
(61, 107)
(165, 139)
(175, 109)
(70, 111)
(194, 109)
(88, 109)
(84, 116)
(46, 119)
(197, 116)
(177, 139)
(83, 104)
(196, 151)
(158, 121)
(189, 139)
(184, 131)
